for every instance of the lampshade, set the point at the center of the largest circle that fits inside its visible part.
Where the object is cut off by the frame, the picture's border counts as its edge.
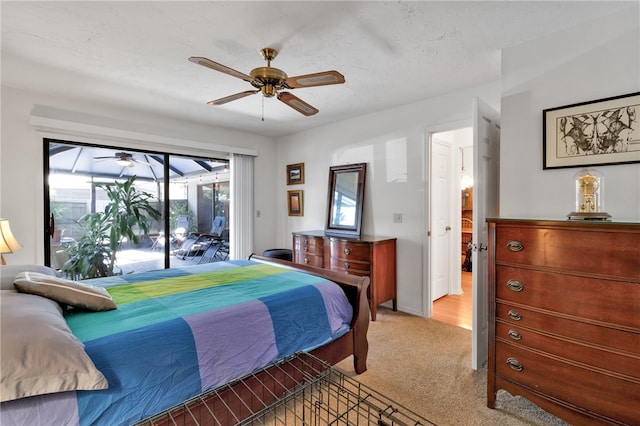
(8, 243)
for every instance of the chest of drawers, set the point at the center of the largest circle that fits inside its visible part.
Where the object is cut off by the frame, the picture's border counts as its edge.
(564, 317)
(365, 256)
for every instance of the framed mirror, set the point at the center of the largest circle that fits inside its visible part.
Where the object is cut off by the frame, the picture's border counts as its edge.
(345, 199)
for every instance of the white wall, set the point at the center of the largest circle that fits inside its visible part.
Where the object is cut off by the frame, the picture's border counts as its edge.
(594, 61)
(21, 160)
(393, 143)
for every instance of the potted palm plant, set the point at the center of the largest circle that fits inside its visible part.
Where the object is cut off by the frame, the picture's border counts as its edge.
(128, 213)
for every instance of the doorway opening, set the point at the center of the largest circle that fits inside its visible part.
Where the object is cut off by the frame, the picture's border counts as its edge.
(455, 306)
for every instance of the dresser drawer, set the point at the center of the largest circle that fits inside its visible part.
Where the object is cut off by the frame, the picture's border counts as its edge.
(310, 259)
(571, 349)
(616, 339)
(613, 302)
(311, 245)
(350, 266)
(591, 251)
(348, 250)
(615, 396)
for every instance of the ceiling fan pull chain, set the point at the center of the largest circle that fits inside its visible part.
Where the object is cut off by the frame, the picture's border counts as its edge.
(263, 108)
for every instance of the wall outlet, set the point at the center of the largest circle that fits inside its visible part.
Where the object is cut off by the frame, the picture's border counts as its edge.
(397, 218)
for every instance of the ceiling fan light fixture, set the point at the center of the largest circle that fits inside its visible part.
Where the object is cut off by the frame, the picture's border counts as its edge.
(268, 91)
(124, 162)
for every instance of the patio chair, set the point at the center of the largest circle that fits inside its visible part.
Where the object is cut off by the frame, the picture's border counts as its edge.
(179, 234)
(194, 248)
(217, 250)
(181, 230)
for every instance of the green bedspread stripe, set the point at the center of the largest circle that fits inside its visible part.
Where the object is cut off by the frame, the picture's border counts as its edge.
(129, 293)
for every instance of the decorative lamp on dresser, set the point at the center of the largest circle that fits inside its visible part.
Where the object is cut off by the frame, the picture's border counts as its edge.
(564, 317)
(364, 255)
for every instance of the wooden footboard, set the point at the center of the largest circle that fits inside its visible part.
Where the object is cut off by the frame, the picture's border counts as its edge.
(355, 341)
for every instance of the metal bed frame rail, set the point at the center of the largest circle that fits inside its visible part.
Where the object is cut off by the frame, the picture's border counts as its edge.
(299, 390)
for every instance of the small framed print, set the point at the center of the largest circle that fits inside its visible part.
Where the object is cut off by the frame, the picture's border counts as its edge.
(604, 131)
(295, 174)
(295, 203)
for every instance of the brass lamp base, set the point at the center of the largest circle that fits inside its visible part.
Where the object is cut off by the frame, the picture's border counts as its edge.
(589, 216)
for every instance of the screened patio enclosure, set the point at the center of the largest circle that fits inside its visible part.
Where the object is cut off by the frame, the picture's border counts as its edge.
(192, 189)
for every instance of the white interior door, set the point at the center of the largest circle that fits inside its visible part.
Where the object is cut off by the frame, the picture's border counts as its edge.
(441, 190)
(486, 152)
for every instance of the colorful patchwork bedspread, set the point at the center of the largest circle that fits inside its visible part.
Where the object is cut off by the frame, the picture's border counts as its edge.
(181, 331)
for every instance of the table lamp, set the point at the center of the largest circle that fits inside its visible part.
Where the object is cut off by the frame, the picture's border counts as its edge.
(8, 243)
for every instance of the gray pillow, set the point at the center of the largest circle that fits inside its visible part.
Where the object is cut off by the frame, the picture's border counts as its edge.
(40, 355)
(65, 291)
(8, 273)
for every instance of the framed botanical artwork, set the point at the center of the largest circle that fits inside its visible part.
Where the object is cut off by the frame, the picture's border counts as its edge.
(295, 203)
(295, 174)
(604, 131)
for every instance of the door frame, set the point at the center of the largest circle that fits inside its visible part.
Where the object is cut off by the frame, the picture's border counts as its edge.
(427, 303)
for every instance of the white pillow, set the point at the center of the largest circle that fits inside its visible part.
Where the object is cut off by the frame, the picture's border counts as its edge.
(65, 291)
(40, 355)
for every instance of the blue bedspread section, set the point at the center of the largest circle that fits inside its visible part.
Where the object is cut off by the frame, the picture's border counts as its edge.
(139, 372)
(179, 332)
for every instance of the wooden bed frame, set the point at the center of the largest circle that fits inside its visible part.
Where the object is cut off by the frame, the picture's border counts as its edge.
(353, 342)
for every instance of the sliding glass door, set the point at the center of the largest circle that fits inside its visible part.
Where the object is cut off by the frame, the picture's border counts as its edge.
(108, 212)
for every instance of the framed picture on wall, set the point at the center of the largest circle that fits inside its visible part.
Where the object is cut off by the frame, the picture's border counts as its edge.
(295, 203)
(295, 174)
(604, 131)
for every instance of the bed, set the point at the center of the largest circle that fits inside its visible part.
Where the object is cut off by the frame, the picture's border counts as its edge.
(176, 333)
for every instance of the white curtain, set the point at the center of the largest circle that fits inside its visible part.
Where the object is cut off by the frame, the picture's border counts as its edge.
(241, 210)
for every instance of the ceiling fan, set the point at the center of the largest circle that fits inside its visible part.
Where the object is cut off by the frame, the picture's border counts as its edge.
(123, 159)
(272, 82)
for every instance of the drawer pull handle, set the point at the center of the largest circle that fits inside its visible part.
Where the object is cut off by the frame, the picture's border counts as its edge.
(347, 251)
(515, 285)
(515, 335)
(346, 265)
(514, 364)
(306, 260)
(515, 245)
(514, 315)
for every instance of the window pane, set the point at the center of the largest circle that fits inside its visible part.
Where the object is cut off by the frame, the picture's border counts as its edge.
(84, 180)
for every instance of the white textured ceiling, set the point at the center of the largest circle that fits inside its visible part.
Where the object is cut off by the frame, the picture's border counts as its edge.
(391, 53)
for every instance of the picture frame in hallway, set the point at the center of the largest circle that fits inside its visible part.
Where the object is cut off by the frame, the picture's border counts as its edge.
(295, 203)
(295, 174)
(601, 132)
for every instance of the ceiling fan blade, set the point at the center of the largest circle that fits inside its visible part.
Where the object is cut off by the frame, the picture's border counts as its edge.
(232, 97)
(219, 67)
(297, 103)
(104, 158)
(317, 79)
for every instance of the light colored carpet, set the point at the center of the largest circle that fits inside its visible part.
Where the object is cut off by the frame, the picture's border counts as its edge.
(425, 365)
